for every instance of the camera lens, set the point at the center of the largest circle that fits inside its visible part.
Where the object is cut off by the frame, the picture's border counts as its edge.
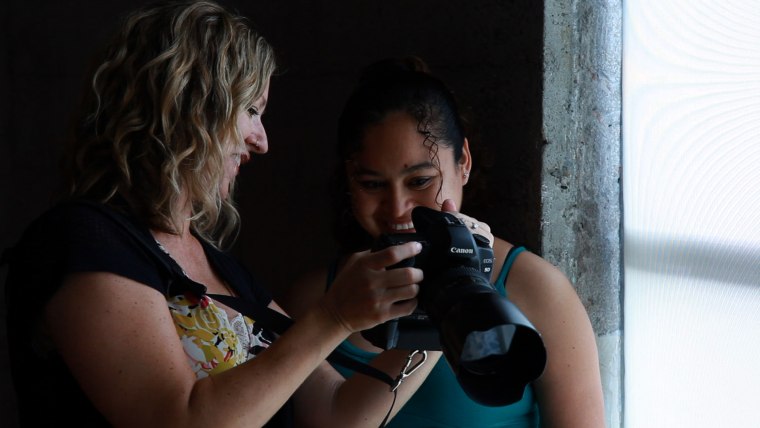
(479, 345)
(490, 345)
(492, 348)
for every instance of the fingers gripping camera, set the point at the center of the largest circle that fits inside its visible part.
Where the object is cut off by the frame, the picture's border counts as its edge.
(490, 345)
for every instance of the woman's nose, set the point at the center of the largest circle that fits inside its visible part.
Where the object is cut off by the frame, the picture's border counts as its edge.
(261, 145)
(256, 141)
(398, 203)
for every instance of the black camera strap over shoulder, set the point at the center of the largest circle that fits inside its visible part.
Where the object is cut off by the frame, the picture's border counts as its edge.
(269, 318)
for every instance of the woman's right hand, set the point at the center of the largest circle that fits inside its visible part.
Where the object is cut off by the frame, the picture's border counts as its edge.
(365, 293)
(475, 226)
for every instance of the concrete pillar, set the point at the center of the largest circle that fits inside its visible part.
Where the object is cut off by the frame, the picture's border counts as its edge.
(580, 191)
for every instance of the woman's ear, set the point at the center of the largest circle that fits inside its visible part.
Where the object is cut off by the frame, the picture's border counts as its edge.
(465, 162)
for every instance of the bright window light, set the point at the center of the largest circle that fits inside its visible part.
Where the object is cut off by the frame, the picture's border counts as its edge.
(691, 186)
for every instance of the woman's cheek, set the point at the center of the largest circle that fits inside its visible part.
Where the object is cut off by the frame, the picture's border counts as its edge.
(365, 209)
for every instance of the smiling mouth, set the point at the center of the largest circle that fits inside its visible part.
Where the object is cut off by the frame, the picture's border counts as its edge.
(244, 158)
(402, 227)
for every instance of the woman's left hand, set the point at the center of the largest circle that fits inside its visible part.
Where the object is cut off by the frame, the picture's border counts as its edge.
(476, 227)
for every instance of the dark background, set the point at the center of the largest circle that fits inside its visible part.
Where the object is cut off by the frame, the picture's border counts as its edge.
(488, 51)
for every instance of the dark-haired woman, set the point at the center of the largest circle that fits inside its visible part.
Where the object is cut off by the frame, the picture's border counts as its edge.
(402, 144)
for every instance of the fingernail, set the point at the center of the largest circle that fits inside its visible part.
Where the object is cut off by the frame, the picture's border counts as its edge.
(417, 246)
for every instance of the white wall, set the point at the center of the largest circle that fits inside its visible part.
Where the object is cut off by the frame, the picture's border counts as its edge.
(691, 192)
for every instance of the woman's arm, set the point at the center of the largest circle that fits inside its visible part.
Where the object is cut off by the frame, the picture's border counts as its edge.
(569, 392)
(119, 340)
(360, 400)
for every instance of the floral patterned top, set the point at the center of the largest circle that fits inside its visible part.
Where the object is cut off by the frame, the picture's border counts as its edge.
(213, 342)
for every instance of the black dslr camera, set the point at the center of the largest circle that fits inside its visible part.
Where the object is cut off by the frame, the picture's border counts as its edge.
(491, 346)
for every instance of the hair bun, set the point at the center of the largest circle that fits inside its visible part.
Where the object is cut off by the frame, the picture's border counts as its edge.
(393, 68)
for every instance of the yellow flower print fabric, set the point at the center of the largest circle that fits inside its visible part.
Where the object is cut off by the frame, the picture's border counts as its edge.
(213, 343)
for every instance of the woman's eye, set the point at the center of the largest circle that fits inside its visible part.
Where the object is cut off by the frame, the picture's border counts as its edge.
(370, 185)
(420, 182)
(252, 111)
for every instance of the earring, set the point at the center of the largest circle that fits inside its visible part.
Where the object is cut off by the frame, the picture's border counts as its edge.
(466, 175)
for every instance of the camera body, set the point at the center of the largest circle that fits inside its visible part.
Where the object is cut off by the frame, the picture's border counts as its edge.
(490, 345)
(447, 247)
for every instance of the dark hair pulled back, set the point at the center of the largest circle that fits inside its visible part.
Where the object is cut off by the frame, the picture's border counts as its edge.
(389, 86)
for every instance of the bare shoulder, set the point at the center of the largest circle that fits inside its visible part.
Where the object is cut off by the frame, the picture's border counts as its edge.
(145, 366)
(544, 293)
(571, 380)
(533, 277)
(532, 281)
(305, 292)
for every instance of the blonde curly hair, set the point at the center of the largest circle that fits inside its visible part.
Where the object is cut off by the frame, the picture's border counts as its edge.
(162, 112)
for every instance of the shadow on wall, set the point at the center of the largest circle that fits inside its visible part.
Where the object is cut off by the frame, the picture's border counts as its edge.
(490, 54)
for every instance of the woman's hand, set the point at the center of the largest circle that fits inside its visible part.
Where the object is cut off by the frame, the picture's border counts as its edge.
(476, 227)
(365, 293)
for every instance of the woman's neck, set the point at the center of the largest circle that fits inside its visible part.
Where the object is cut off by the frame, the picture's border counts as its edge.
(178, 241)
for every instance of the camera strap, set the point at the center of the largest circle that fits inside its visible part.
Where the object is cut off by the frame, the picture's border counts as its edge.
(269, 318)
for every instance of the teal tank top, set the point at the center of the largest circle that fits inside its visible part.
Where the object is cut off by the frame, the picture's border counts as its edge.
(440, 402)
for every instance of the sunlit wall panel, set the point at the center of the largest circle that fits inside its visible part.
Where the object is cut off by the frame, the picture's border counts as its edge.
(691, 193)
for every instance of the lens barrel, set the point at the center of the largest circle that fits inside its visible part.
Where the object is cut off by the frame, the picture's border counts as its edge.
(490, 345)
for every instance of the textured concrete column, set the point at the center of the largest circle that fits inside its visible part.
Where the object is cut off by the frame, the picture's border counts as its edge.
(581, 204)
